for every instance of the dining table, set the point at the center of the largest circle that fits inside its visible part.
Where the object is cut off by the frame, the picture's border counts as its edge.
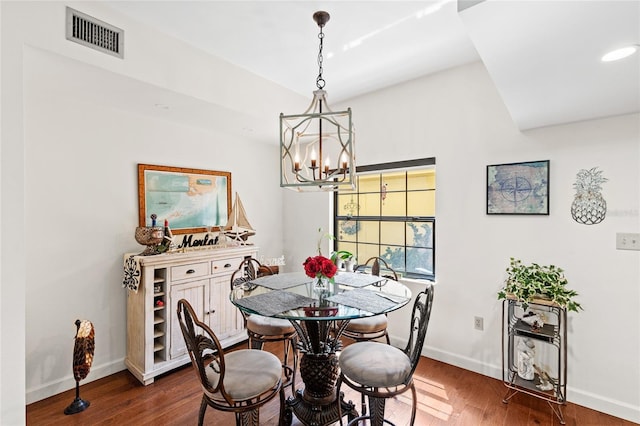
(319, 310)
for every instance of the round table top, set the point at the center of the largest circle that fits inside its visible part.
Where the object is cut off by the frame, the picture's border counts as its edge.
(295, 296)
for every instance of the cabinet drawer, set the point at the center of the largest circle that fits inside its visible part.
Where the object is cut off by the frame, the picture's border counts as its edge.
(225, 266)
(193, 270)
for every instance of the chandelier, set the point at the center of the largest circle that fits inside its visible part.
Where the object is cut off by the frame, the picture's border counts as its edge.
(317, 146)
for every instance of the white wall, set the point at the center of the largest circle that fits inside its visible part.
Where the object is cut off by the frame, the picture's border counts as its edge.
(81, 209)
(69, 203)
(75, 123)
(458, 117)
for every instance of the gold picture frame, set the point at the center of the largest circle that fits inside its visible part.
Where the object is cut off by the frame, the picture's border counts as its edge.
(192, 200)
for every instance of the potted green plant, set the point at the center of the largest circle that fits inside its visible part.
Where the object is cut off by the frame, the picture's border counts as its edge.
(526, 283)
(343, 257)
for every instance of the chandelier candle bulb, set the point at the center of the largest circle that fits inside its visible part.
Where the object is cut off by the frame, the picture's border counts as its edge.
(313, 158)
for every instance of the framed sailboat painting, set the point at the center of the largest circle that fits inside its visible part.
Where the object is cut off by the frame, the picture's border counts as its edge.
(191, 200)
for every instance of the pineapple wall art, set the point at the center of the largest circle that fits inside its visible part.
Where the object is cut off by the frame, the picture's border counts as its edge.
(589, 207)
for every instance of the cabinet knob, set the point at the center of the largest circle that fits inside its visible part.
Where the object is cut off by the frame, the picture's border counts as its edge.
(227, 265)
(191, 271)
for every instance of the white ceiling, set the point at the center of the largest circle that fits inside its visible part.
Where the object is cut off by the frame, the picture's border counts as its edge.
(543, 56)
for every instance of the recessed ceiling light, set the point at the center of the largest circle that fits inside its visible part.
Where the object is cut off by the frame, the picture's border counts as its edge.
(621, 53)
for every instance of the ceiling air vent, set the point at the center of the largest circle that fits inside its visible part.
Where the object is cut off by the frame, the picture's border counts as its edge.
(94, 33)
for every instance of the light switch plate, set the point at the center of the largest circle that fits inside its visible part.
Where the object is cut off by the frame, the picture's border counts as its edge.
(627, 241)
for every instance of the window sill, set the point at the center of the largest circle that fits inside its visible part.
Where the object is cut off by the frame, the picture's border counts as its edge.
(417, 281)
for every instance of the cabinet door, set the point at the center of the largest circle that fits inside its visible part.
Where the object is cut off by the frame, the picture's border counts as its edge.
(225, 319)
(197, 294)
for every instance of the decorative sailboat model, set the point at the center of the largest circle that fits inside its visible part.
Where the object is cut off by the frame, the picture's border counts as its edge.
(238, 227)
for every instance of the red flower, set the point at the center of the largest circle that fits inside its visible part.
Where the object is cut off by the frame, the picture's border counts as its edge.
(319, 266)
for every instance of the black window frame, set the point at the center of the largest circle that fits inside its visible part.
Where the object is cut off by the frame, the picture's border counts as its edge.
(385, 168)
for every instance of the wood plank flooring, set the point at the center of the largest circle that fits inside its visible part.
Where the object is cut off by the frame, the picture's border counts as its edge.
(447, 395)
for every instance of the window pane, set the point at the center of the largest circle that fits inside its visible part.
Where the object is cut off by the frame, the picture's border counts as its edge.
(394, 204)
(394, 257)
(347, 205)
(419, 261)
(369, 183)
(421, 179)
(366, 251)
(421, 203)
(350, 247)
(347, 230)
(369, 204)
(369, 232)
(392, 233)
(395, 181)
(420, 234)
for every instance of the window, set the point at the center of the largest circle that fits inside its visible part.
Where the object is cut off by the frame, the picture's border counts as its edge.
(391, 214)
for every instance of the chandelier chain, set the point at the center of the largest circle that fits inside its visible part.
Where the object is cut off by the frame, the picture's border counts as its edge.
(319, 80)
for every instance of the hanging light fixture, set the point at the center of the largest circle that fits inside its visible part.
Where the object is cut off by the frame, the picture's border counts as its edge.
(317, 146)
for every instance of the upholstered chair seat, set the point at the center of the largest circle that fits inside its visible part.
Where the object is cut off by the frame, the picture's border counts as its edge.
(248, 373)
(268, 326)
(368, 325)
(375, 363)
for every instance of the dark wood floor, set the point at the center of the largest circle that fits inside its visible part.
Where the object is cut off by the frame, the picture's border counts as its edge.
(447, 395)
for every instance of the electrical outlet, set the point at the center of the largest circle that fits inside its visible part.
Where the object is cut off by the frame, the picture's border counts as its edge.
(478, 323)
(627, 241)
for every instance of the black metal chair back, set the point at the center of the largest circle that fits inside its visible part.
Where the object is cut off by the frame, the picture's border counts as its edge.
(418, 328)
(379, 267)
(249, 269)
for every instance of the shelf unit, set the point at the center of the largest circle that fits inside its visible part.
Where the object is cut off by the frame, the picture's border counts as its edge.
(550, 342)
(154, 340)
(159, 314)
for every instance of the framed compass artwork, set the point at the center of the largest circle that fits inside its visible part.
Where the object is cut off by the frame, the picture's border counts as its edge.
(518, 188)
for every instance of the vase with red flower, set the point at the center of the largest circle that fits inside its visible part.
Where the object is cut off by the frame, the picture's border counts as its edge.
(321, 269)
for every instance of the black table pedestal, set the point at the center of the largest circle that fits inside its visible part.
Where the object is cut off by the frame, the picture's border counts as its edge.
(318, 404)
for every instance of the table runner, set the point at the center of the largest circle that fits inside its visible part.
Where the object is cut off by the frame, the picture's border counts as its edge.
(367, 300)
(282, 281)
(274, 302)
(356, 280)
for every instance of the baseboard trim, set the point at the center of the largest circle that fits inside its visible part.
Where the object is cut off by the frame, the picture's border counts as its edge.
(576, 396)
(68, 382)
(603, 404)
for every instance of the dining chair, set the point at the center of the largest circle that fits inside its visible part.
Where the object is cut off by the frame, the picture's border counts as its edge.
(374, 327)
(382, 371)
(240, 381)
(262, 329)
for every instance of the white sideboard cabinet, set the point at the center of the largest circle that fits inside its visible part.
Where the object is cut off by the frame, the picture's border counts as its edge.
(154, 340)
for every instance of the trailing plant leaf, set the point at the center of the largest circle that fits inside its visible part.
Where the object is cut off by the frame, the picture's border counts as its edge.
(528, 282)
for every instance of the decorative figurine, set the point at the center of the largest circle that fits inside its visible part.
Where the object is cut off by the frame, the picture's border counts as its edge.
(83, 350)
(526, 353)
(545, 381)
